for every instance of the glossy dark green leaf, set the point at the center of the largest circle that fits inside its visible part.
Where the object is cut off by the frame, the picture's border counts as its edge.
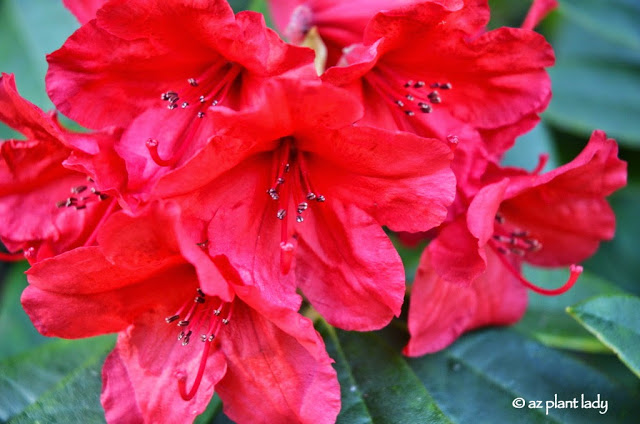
(615, 320)
(57, 382)
(377, 384)
(546, 319)
(478, 378)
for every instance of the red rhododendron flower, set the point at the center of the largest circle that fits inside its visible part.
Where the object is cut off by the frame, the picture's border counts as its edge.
(158, 68)
(47, 208)
(469, 275)
(232, 338)
(430, 68)
(305, 189)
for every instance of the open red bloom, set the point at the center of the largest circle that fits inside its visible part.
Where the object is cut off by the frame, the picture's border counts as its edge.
(430, 68)
(47, 207)
(231, 338)
(472, 269)
(304, 189)
(159, 68)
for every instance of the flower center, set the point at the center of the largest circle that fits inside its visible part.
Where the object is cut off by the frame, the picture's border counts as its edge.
(517, 242)
(520, 243)
(291, 184)
(408, 95)
(203, 315)
(81, 196)
(198, 95)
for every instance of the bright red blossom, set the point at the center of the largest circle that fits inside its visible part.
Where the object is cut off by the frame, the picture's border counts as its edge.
(235, 340)
(159, 68)
(307, 191)
(46, 205)
(430, 68)
(472, 269)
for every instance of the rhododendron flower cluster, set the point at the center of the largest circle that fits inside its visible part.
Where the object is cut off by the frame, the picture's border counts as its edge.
(224, 182)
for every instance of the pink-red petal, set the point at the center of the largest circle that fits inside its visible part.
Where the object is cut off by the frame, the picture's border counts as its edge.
(348, 268)
(271, 367)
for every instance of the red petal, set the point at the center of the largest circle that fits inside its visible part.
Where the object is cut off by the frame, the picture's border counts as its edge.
(500, 298)
(439, 311)
(94, 64)
(278, 365)
(348, 268)
(23, 116)
(93, 297)
(455, 254)
(483, 208)
(402, 180)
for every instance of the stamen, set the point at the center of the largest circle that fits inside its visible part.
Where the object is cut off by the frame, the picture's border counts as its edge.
(79, 189)
(385, 83)
(575, 270)
(207, 339)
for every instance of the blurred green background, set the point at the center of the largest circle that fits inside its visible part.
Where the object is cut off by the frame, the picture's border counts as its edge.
(594, 349)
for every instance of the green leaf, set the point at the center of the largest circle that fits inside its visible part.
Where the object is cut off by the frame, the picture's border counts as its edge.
(377, 384)
(57, 382)
(615, 320)
(16, 329)
(597, 74)
(546, 319)
(479, 376)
